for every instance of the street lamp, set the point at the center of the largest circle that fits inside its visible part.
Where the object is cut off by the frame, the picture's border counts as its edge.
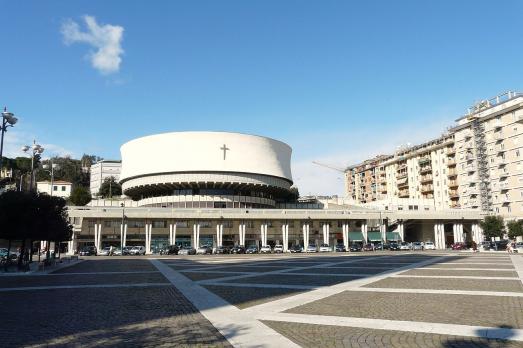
(123, 227)
(8, 120)
(50, 169)
(34, 149)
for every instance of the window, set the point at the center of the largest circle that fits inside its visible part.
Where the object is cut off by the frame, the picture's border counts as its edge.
(63, 188)
(227, 224)
(55, 188)
(205, 224)
(159, 224)
(181, 224)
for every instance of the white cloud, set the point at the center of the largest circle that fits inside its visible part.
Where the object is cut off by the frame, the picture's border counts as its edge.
(106, 39)
(14, 140)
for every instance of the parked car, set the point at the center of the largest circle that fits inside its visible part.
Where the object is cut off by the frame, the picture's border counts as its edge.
(278, 249)
(170, 250)
(499, 245)
(378, 246)
(222, 250)
(340, 248)
(137, 250)
(393, 246)
(404, 246)
(126, 250)
(296, 249)
(311, 248)
(429, 246)
(238, 249)
(253, 249)
(325, 248)
(204, 250)
(88, 251)
(368, 247)
(187, 250)
(518, 248)
(355, 247)
(459, 246)
(484, 246)
(105, 251)
(266, 249)
(117, 251)
(417, 246)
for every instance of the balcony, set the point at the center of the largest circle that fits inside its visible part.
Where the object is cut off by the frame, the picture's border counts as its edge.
(403, 183)
(498, 135)
(452, 173)
(473, 192)
(504, 200)
(455, 205)
(427, 188)
(426, 178)
(471, 168)
(425, 169)
(503, 185)
(501, 161)
(452, 183)
(470, 157)
(453, 194)
(403, 193)
(519, 118)
(401, 175)
(474, 202)
(401, 167)
(424, 160)
(469, 145)
(451, 162)
(451, 151)
(503, 174)
(467, 133)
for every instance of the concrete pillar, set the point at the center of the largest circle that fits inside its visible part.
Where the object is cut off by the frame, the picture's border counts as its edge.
(326, 232)
(263, 233)
(285, 236)
(196, 235)
(219, 235)
(461, 233)
(148, 234)
(124, 243)
(364, 231)
(383, 230)
(241, 232)
(306, 229)
(98, 239)
(439, 235)
(95, 238)
(455, 232)
(345, 233)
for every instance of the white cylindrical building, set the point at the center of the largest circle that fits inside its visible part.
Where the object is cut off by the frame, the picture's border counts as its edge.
(206, 170)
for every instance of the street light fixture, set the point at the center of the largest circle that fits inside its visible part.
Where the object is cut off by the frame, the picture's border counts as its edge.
(8, 120)
(50, 169)
(34, 150)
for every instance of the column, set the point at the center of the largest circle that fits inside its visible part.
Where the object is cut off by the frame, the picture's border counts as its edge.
(241, 231)
(285, 236)
(148, 234)
(95, 237)
(170, 234)
(196, 235)
(455, 232)
(383, 230)
(262, 234)
(219, 234)
(121, 234)
(125, 234)
(345, 233)
(461, 233)
(401, 227)
(436, 236)
(327, 233)
(364, 231)
(70, 245)
(306, 229)
(442, 235)
(265, 234)
(99, 237)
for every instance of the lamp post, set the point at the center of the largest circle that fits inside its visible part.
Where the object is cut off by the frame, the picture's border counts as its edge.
(123, 227)
(34, 149)
(8, 120)
(50, 169)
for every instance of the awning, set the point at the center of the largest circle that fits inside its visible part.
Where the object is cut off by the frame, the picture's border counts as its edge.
(393, 236)
(356, 236)
(374, 236)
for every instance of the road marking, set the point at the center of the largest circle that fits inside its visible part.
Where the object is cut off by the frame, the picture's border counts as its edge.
(29, 288)
(239, 328)
(517, 261)
(398, 325)
(446, 292)
(262, 285)
(96, 273)
(452, 277)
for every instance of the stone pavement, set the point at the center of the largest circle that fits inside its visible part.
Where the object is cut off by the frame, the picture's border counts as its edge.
(372, 299)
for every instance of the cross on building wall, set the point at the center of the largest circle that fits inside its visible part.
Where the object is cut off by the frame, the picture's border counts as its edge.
(225, 149)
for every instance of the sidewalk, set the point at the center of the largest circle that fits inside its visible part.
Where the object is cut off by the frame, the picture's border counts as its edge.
(37, 268)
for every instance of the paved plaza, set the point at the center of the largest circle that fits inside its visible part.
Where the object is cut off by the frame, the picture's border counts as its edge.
(378, 299)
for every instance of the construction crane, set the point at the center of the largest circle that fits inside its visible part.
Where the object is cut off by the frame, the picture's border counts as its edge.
(341, 170)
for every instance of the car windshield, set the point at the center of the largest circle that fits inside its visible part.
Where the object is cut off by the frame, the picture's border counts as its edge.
(429, 243)
(404, 243)
(325, 245)
(312, 246)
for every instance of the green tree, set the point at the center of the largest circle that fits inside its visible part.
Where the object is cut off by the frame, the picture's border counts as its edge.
(493, 226)
(110, 188)
(515, 229)
(80, 196)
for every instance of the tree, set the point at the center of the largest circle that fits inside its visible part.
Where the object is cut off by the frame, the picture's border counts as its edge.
(493, 226)
(110, 187)
(80, 196)
(295, 193)
(515, 229)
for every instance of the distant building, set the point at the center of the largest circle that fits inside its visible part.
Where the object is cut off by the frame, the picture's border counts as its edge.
(58, 189)
(102, 170)
(477, 164)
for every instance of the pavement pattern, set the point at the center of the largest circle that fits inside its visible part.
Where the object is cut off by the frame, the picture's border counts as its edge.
(368, 299)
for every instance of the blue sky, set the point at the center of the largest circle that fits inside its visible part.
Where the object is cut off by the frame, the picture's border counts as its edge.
(337, 80)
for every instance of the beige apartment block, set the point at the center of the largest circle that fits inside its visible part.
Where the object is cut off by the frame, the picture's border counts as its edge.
(476, 164)
(489, 146)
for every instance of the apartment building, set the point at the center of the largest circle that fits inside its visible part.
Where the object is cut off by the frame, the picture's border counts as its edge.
(102, 170)
(476, 164)
(489, 147)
